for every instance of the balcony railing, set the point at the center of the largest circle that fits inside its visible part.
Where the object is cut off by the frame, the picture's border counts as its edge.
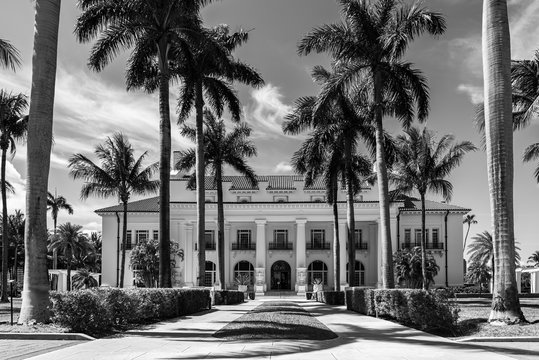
(128, 246)
(428, 246)
(210, 246)
(240, 246)
(318, 246)
(280, 246)
(360, 245)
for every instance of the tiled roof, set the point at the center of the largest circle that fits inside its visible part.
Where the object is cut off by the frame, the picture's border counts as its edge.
(275, 182)
(242, 183)
(317, 185)
(145, 205)
(415, 205)
(281, 182)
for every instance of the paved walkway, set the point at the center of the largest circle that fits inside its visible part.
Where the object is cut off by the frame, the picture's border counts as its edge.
(359, 337)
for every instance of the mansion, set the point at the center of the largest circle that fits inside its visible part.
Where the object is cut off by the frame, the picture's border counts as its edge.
(280, 234)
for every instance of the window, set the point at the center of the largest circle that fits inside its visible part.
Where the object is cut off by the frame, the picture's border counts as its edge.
(407, 238)
(280, 198)
(358, 239)
(243, 241)
(318, 198)
(318, 238)
(359, 274)
(142, 235)
(209, 235)
(244, 199)
(280, 236)
(417, 237)
(210, 276)
(209, 199)
(317, 270)
(435, 237)
(245, 268)
(156, 235)
(128, 242)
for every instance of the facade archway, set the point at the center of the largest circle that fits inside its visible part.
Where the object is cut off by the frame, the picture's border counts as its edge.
(317, 270)
(281, 276)
(245, 268)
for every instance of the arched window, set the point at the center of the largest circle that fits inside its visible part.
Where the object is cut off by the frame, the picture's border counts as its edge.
(359, 274)
(210, 277)
(244, 269)
(317, 270)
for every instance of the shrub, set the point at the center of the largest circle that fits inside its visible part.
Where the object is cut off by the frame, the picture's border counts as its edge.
(330, 297)
(227, 297)
(426, 310)
(98, 310)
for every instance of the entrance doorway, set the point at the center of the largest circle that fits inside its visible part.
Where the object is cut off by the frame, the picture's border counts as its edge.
(280, 276)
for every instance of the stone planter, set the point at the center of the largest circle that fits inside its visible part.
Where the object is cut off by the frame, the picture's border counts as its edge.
(242, 288)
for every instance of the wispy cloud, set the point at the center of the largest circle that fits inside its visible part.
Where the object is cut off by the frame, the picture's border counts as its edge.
(283, 167)
(474, 92)
(267, 112)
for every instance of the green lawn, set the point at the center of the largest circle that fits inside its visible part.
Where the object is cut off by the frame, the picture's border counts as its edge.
(276, 320)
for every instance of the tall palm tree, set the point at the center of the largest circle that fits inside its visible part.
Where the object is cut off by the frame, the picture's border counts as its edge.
(422, 166)
(469, 220)
(16, 223)
(207, 78)
(70, 241)
(499, 145)
(13, 127)
(55, 203)
(534, 258)
(119, 174)
(9, 55)
(35, 295)
(83, 279)
(155, 31)
(221, 149)
(370, 43)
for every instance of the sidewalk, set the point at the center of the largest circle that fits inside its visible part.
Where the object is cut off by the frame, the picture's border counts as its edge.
(359, 337)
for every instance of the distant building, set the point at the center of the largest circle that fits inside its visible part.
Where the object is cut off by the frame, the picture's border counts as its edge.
(281, 234)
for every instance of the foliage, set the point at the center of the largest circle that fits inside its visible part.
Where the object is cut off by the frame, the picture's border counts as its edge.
(243, 279)
(83, 279)
(431, 310)
(91, 260)
(98, 310)
(10, 57)
(481, 250)
(228, 297)
(16, 223)
(329, 297)
(407, 265)
(479, 273)
(534, 258)
(55, 203)
(145, 259)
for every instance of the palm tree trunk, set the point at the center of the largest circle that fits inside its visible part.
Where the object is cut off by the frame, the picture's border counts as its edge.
(423, 244)
(124, 244)
(499, 140)
(54, 252)
(5, 247)
(351, 222)
(69, 256)
(35, 295)
(201, 191)
(466, 237)
(165, 275)
(15, 263)
(388, 281)
(336, 244)
(220, 224)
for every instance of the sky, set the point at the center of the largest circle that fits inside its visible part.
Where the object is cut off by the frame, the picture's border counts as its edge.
(90, 106)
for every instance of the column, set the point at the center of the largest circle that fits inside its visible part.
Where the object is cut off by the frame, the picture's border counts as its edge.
(260, 266)
(190, 256)
(228, 237)
(301, 272)
(343, 239)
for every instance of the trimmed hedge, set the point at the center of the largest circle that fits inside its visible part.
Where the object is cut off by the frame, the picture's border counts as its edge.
(426, 310)
(228, 297)
(329, 297)
(98, 310)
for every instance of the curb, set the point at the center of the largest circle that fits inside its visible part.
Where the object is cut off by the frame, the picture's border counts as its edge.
(500, 339)
(44, 336)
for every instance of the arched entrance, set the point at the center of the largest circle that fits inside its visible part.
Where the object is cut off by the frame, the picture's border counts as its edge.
(280, 276)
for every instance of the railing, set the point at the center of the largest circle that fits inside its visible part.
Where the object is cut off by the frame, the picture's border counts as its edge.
(280, 246)
(240, 246)
(128, 246)
(318, 246)
(428, 246)
(210, 246)
(360, 245)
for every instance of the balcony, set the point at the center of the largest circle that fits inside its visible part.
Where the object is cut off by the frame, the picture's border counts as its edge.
(360, 245)
(210, 246)
(280, 246)
(240, 246)
(318, 246)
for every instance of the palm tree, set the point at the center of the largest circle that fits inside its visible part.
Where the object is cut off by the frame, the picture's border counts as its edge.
(119, 175)
(221, 149)
(422, 166)
(83, 279)
(55, 203)
(207, 77)
(69, 241)
(534, 258)
(13, 127)
(16, 223)
(469, 220)
(156, 31)
(499, 145)
(478, 273)
(338, 127)
(35, 295)
(370, 44)
(9, 55)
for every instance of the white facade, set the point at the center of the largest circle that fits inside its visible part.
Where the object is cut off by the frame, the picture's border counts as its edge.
(281, 233)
